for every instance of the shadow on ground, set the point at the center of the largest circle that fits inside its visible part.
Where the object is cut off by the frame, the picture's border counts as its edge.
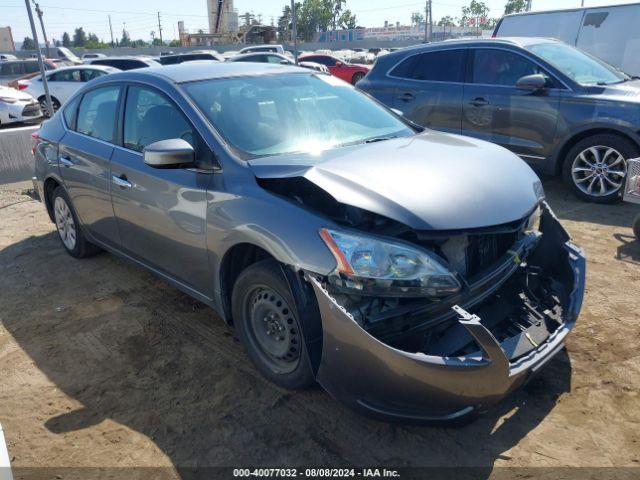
(133, 349)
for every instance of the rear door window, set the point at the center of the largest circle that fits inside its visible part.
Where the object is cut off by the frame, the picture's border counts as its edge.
(440, 66)
(66, 76)
(97, 115)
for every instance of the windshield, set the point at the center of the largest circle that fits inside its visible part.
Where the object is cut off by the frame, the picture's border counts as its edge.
(279, 114)
(577, 65)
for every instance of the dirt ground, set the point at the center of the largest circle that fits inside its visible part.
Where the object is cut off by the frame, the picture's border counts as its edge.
(103, 365)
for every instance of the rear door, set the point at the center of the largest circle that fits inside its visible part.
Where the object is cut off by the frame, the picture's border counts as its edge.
(84, 155)
(495, 110)
(161, 213)
(429, 88)
(65, 83)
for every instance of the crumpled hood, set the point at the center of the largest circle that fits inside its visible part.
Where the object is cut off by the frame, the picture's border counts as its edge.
(428, 181)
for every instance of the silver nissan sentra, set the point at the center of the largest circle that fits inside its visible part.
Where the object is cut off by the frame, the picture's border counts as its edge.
(416, 275)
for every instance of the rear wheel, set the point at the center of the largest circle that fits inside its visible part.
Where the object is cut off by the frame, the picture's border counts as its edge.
(266, 319)
(357, 77)
(636, 227)
(45, 108)
(68, 227)
(596, 167)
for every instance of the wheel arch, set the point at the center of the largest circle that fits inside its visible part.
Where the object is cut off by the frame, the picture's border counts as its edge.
(576, 137)
(48, 187)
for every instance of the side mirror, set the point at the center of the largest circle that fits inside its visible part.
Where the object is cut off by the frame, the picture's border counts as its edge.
(285, 62)
(533, 82)
(172, 153)
(339, 64)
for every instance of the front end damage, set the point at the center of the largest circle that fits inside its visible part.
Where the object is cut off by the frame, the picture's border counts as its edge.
(446, 359)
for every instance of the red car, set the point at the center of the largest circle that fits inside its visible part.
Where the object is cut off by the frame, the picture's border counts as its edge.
(349, 72)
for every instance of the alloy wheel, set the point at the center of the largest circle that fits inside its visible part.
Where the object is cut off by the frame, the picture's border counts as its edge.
(64, 223)
(274, 330)
(599, 171)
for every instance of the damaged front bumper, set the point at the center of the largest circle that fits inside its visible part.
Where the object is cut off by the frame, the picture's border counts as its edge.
(388, 382)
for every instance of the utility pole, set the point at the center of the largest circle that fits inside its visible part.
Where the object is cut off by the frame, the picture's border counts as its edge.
(160, 28)
(45, 83)
(111, 31)
(430, 21)
(44, 34)
(294, 28)
(426, 20)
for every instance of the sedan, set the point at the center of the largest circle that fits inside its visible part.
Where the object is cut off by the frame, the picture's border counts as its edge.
(63, 83)
(349, 72)
(416, 275)
(276, 58)
(17, 106)
(560, 109)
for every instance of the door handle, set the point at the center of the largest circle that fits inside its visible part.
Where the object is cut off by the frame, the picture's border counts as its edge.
(406, 97)
(121, 181)
(65, 161)
(479, 102)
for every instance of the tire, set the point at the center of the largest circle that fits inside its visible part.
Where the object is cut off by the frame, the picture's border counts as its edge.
(265, 317)
(595, 167)
(357, 77)
(636, 227)
(69, 228)
(45, 109)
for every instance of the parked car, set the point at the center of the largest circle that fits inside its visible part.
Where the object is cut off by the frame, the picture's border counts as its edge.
(262, 48)
(90, 56)
(416, 275)
(348, 72)
(17, 106)
(126, 63)
(190, 57)
(14, 69)
(562, 110)
(276, 58)
(610, 33)
(7, 56)
(63, 83)
(64, 53)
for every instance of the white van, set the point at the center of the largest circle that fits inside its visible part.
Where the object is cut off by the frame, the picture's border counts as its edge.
(610, 33)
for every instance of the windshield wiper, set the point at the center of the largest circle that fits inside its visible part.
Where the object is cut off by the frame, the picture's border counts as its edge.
(380, 139)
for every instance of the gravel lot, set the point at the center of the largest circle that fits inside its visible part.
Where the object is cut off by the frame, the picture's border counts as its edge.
(103, 365)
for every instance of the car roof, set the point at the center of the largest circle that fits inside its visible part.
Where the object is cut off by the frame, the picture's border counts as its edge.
(106, 68)
(514, 41)
(207, 70)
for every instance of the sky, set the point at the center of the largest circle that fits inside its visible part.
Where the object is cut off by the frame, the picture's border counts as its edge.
(140, 17)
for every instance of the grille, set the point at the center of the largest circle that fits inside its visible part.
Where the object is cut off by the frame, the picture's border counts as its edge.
(484, 250)
(31, 110)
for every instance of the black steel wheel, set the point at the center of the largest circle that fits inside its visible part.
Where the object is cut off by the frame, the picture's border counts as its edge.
(357, 77)
(266, 319)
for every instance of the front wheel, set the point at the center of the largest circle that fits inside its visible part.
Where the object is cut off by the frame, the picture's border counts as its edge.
(266, 319)
(596, 167)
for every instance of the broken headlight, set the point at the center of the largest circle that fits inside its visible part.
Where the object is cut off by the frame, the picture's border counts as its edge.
(372, 266)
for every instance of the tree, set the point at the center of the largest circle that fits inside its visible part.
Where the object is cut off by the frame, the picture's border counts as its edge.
(125, 41)
(28, 44)
(347, 20)
(447, 21)
(417, 19)
(66, 40)
(475, 15)
(515, 6)
(175, 43)
(79, 37)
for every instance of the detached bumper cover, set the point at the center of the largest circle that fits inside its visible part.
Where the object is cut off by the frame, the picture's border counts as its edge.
(370, 376)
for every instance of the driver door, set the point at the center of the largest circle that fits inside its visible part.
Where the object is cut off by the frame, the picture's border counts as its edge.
(160, 213)
(494, 109)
